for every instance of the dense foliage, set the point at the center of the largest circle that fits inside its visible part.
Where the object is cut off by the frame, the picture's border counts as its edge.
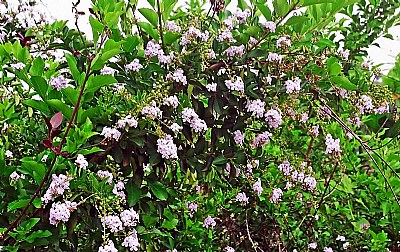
(199, 128)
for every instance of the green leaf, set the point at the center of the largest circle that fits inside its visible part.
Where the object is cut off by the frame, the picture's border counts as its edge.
(71, 94)
(347, 186)
(111, 48)
(167, 7)
(72, 67)
(99, 81)
(281, 7)
(40, 86)
(265, 10)
(21, 203)
(60, 106)
(97, 28)
(39, 105)
(149, 220)
(37, 67)
(38, 234)
(169, 224)
(134, 193)
(335, 69)
(150, 15)
(131, 42)
(159, 190)
(220, 160)
(312, 2)
(149, 29)
(90, 151)
(171, 37)
(343, 82)
(37, 170)
(295, 20)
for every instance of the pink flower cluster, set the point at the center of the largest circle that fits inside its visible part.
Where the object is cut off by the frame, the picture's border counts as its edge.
(81, 162)
(132, 242)
(132, 122)
(167, 148)
(58, 82)
(57, 187)
(235, 51)
(171, 26)
(110, 133)
(238, 137)
(235, 85)
(152, 111)
(332, 145)
(105, 174)
(276, 195)
(134, 66)
(178, 76)
(273, 118)
(110, 247)
(257, 187)
(119, 189)
(256, 107)
(172, 101)
(293, 86)
(242, 198)
(192, 34)
(61, 211)
(262, 139)
(209, 222)
(190, 116)
(270, 25)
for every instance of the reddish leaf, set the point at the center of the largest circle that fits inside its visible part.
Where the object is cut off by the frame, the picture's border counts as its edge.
(47, 122)
(55, 133)
(56, 120)
(47, 143)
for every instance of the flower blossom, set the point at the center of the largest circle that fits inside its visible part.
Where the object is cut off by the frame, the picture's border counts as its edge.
(61, 211)
(105, 174)
(167, 148)
(110, 133)
(118, 189)
(58, 82)
(110, 247)
(256, 107)
(131, 242)
(261, 139)
(242, 198)
(178, 76)
(112, 222)
(209, 222)
(332, 145)
(152, 111)
(171, 101)
(57, 187)
(293, 86)
(257, 188)
(211, 87)
(129, 218)
(132, 122)
(270, 25)
(273, 118)
(236, 85)
(238, 137)
(81, 162)
(134, 66)
(276, 195)
(190, 116)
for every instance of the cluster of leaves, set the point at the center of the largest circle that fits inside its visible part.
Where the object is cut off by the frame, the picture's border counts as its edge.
(353, 195)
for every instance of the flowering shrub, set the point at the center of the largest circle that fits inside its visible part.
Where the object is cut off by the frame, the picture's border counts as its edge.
(223, 130)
